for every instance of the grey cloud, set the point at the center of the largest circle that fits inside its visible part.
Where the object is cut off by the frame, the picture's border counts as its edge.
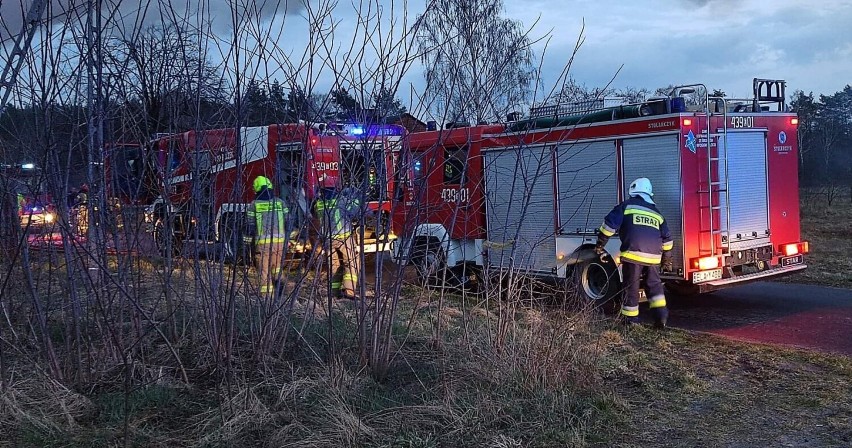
(801, 43)
(714, 3)
(218, 13)
(130, 13)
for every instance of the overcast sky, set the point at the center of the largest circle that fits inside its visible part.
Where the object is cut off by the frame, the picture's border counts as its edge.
(721, 43)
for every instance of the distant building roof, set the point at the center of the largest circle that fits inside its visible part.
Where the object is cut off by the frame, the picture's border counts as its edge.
(408, 121)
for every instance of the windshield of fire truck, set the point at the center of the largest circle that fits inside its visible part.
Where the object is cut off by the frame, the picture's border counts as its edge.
(290, 178)
(127, 172)
(30, 189)
(455, 160)
(362, 167)
(168, 158)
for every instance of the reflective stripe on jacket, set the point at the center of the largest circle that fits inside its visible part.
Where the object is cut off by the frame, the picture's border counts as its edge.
(336, 216)
(268, 216)
(643, 231)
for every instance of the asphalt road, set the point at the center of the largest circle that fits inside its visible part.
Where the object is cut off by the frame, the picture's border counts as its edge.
(805, 316)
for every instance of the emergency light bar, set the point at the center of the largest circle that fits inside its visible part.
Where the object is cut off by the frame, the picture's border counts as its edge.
(360, 130)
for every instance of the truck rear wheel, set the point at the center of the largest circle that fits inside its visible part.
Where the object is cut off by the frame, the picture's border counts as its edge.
(231, 231)
(596, 282)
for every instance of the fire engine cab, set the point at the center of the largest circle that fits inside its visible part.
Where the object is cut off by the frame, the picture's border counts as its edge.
(529, 195)
(205, 179)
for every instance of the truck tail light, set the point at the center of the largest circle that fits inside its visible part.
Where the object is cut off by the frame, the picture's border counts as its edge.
(705, 263)
(794, 121)
(795, 248)
(687, 122)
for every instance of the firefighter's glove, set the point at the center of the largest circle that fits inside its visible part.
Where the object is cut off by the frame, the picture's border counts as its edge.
(599, 246)
(667, 261)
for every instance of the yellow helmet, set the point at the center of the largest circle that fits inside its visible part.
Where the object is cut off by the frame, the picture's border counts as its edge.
(260, 182)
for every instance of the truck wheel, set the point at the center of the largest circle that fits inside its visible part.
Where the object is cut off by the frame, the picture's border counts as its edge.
(164, 239)
(468, 277)
(431, 267)
(231, 236)
(596, 282)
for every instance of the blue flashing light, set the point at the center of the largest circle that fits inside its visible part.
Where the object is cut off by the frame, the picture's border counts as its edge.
(418, 165)
(393, 130)
(360, 130)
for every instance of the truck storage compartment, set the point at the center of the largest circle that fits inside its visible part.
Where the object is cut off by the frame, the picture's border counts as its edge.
(520, 208)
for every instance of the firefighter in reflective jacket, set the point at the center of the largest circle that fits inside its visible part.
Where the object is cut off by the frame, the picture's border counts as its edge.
(333, 218)
(266, 225)
(81, 203)
(645, 244)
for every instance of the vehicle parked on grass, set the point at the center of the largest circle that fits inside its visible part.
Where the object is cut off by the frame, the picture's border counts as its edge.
(204, 179)
(33, 205)
(530, 195)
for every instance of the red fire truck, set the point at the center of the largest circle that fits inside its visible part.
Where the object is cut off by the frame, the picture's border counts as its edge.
(206, 177)
(529, 195)
(23, 188)
(130, 176)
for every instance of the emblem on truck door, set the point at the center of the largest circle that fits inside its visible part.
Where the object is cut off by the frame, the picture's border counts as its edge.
(691, 142)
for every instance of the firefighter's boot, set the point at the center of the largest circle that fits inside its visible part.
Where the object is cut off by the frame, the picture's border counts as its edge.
(631, 321)
(661, 317)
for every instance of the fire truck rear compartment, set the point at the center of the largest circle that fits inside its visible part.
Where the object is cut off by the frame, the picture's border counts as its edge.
(519, 208)
(745, 208)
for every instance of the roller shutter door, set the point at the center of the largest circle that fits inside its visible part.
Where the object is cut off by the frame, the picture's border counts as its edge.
(747, 191)
(588, 185)
(519, 208)
(658, 159)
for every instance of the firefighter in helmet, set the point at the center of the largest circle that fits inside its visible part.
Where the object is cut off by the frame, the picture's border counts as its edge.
(81, 206)
(267, 216)
(333, 216)
(646, 243)
(372, 184)
(22, 203)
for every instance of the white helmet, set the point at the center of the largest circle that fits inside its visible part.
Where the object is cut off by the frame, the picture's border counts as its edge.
(641, 185)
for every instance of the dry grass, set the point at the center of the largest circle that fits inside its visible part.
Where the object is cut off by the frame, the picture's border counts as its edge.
(525, 374)
(829, 231)
(559, 379)
(689, 390)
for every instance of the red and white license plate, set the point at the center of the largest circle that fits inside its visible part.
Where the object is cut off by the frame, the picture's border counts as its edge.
(706, 276)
